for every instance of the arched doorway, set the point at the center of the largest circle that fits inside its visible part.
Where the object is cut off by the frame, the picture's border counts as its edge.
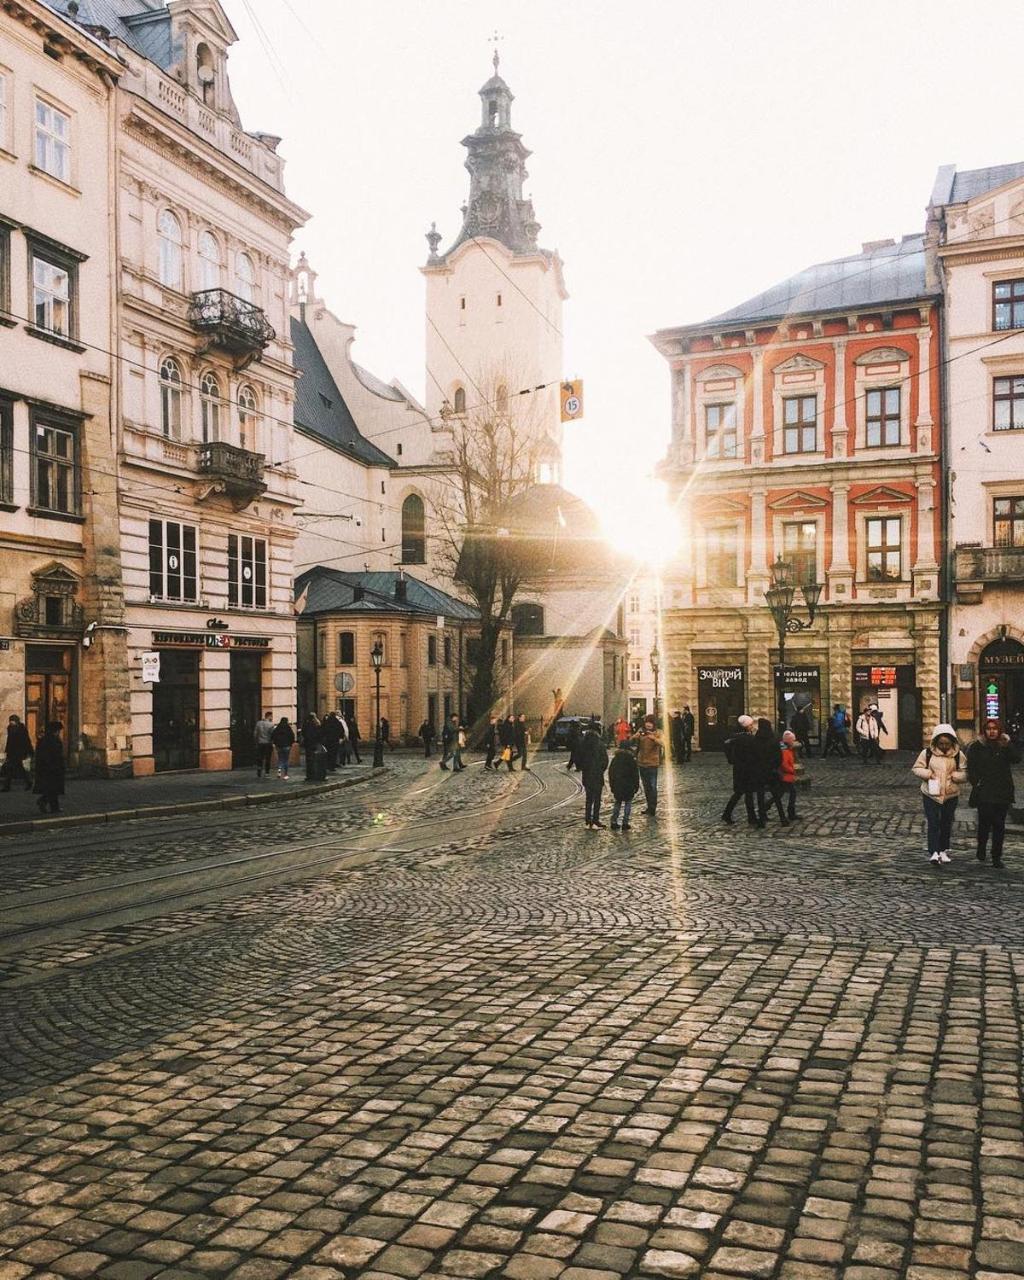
(1001, 676)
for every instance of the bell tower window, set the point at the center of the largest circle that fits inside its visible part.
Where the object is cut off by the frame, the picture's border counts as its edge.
(206, 73)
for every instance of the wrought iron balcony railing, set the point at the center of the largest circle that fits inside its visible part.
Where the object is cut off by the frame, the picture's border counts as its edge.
(234, 471)
(229, 322)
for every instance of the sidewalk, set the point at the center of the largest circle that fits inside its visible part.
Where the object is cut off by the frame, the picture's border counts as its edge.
(95, 800)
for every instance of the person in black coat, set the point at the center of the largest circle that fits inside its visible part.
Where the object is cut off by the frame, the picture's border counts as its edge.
(990, 762)
(427, 736)
(50, 768)
(312, 737)
(332, 734)
(520, 737)
(507, 739)
(767, 772)
(572, 741)
(739, 751)
(17, 749)
(283, 739)
(354, 737)
(686, 731)
(624, 780)
(491, 743)
(592, 757)
(801, 726)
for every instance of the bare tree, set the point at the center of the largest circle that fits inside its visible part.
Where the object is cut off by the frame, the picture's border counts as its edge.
(495, 448)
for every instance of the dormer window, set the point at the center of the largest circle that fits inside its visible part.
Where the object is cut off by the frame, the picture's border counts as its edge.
(206, 73)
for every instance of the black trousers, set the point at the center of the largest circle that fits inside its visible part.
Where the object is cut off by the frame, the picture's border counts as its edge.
(687, 748)
(593, 806)
(992, 822)
(773, 789)
(748, 799)
(490, 755)
(332, 755)
(789, 791)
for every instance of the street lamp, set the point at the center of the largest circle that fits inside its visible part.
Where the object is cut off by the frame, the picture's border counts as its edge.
(377, 658)
(655, 668)
(780, 596)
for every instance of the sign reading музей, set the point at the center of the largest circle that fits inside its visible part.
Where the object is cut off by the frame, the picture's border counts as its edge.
(208, 640)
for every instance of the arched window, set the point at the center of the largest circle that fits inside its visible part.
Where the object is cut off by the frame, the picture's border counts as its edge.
(528, 619)
(248, 419)
(209, 403)
(460, 400)
(169, 237)
(414, 530)
(209, 261)
(501, 400)
(170, 398)
(245, 278)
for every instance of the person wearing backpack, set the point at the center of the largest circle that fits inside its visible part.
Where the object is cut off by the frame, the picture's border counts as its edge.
(990, 763)
(941, 768)
(624, 780)
(837, 736)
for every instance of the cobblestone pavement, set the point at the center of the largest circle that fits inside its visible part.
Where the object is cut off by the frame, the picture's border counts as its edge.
(473, 1039)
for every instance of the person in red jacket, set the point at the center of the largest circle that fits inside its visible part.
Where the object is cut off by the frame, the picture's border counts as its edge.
(787, 772)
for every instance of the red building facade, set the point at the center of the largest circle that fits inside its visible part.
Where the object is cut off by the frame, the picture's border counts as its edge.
(805, 425)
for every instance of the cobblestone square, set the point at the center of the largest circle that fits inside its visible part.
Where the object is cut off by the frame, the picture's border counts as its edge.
(434, 1027)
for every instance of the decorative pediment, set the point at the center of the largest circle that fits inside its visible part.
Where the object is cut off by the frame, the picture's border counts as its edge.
(208, 16)
(798, 501)
(712, 507)
(51, 611)
(882, 355)
(719, 371)
(798, 364)
(881, 495)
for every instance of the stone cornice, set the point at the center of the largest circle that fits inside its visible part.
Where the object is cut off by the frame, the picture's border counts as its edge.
(972, 251)
(64, 36)
(837, 470)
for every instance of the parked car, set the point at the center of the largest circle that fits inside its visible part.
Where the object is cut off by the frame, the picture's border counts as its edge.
(558, 734)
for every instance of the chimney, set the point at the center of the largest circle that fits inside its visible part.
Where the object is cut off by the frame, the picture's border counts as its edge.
(401, 592)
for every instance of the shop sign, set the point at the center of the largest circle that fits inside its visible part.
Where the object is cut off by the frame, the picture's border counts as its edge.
(151, 667)
(720, 677)
(992, 708)
(800, 677)
(883, 677)
(1001, 661)
(208, 640)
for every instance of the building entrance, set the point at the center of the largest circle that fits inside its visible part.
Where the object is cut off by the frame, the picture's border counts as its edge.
(1001, 672)
(48, 672)
(720, 696)
(176, 711)
(246, 687)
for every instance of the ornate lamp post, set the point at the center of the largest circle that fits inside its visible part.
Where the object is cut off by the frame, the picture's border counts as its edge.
(780, 596)
(377, 658)
(655, 668)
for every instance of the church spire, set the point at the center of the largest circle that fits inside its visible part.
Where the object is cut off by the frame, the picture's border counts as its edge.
(496, 162)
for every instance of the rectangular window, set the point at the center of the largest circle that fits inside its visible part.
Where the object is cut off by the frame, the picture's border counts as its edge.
(634, 637)
(1008, 304)
(55, 480)
(431, 651)
(447, 651)
(883, 417)
(1008, 403)
(885, 549)
(6, 451)
(1008, 522)
(53, 141)
(5, 269)
(722, 557)
(635, 673)
(346, 648)
(799, 548)
(172, 561)
(247, 571)
(634, 603)
(320, 643)
(800, 424)
(51, 296)
(5, 111)
(720, 430)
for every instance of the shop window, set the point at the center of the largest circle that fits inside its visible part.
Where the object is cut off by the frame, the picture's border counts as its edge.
(800, 424)
(882, 417)
(346, 648)
(1008, 522)
(172, 561)
(1008, 403)
(56, 483)
(247, 572)
(1008, 304)
(885, 549)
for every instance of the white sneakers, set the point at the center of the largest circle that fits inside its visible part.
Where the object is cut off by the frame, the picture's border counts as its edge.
(941, 857)
(935, 858)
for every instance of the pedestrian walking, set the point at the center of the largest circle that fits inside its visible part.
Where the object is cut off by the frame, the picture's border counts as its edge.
(491, 744)
(312, 739)
(650, 752)
(788, 771)
(870, 727)
(354, 736)
(459, 747)
(675, 736)
(332, 734)
(837, 735)
(283, 739)
(448, 735)
(17, 749)
(507, 740)
(572, 741)
(941, 768)
(686, 729)
(522, 742)
(739, 751)
(385, 732)
(990, 761)
(264, 747)
(49, 784)
(767, 772)
(427, 735)
(621, 730)
(592, 755)
(800, 724)
(624, 780)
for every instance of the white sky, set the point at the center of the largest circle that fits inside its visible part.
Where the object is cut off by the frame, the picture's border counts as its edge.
(686, 156)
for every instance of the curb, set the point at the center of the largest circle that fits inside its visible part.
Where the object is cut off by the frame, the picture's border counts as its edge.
(185, 807)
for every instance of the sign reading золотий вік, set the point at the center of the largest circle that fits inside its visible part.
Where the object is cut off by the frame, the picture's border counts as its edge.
(720, 677)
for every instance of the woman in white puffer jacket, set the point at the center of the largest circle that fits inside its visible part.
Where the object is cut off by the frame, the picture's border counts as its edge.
(941, 768)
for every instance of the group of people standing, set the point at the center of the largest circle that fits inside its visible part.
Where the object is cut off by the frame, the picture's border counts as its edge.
(637, 759)
(328, 742)
(40, 766)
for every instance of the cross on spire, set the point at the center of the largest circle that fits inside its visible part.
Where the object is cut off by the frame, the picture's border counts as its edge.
(494, 40)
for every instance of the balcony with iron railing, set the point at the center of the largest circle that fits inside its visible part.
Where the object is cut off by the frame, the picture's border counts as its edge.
(975, 565)
(232, 471)
(231, 324)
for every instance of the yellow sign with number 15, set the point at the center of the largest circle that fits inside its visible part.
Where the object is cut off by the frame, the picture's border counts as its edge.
(572, 400)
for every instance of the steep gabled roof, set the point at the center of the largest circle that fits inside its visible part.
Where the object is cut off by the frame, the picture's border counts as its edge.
(975, 182)
(335, 591)
(320, 407)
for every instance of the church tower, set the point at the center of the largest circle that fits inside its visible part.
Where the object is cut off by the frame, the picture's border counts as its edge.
(494, 298)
